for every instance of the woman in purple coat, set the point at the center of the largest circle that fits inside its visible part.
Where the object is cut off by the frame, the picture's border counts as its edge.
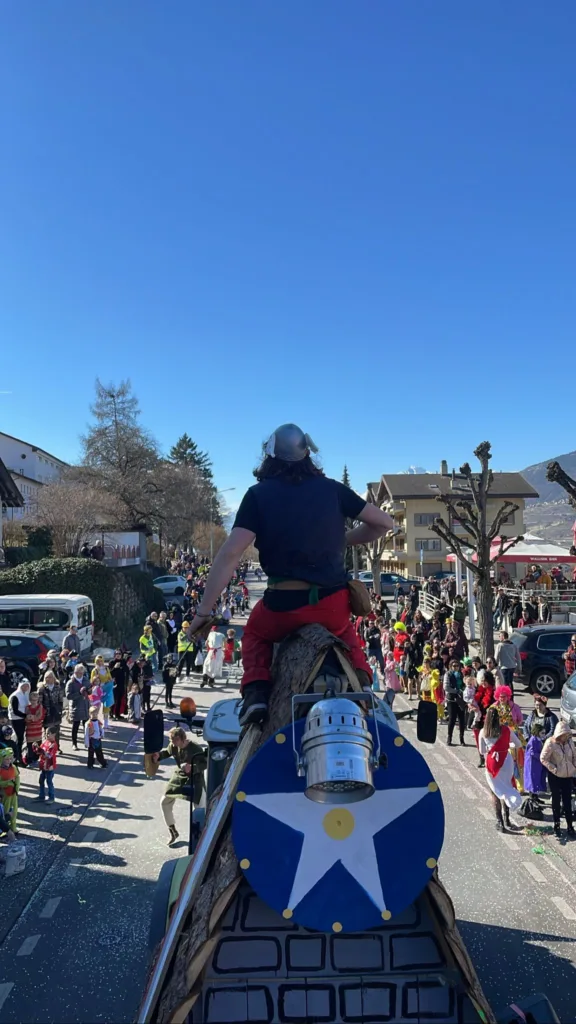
(534, 771)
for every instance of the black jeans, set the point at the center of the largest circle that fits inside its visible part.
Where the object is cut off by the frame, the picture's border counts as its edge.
(95, 750)
(455, 712)
(146, 693)
(508, 675)
(561, 790)
(169, 688)
(188, 661)
(19, 726)
(75, 728)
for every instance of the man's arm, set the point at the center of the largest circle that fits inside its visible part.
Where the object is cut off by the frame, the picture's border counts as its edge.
(221, 572)
(374, 523)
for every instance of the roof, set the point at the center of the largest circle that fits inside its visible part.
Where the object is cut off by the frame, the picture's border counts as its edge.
(428, 485)
(9, 494)
(34, 447)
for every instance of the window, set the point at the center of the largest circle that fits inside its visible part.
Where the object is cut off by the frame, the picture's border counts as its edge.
(425, 518)
(509, 521)
(14, 618)
(84, 616)
(49, 618)
(554, 641)
(429, 544)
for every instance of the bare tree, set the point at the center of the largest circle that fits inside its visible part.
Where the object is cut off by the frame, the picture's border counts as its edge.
(208, 536)
(557, 475)
(72, 512)
(467, 505)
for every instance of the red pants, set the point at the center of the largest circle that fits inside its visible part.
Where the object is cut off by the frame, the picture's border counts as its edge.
(265, 628)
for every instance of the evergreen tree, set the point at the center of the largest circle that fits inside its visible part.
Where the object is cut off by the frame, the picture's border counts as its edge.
(346, 477)
(186, 452)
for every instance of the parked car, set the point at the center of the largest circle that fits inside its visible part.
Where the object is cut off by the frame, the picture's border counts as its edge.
(568, 701)
(171, 584)
(24, 650)
(52, 614)
(388, 581)
(541, 649)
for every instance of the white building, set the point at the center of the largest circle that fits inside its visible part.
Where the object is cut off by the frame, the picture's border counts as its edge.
(30, 468)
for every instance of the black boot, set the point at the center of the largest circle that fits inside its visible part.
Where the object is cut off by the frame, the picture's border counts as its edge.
(499, 819)
(507, 821)
(255, 697)
(557, 829)
(481, 762)
(462, 741)
(173, 835)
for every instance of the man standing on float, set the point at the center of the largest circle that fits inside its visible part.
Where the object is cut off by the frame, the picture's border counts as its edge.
(296, 517)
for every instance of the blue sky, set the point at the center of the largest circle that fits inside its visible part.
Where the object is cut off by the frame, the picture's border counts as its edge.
(356, 215)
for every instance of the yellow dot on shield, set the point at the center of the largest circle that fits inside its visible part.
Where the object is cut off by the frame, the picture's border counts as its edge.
(338, 823)
(386, 915)
(280, 737)
(336, 927)
(240, 796)
(287, 914)
(431, 862)
(245, 864)
(432, 787)
(398, 741)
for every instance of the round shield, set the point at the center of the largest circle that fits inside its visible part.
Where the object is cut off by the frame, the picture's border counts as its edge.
(342, 867)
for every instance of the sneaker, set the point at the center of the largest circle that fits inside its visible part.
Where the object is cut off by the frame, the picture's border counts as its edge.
(173, 835)
(255, 697)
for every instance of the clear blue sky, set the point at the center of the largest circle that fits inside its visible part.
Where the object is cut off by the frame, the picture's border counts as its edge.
(356, 215)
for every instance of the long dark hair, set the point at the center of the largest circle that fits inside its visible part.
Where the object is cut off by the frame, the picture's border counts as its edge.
(492, 727)
(293, 472)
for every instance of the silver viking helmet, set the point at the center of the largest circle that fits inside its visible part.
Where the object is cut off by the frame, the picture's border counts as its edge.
(289, 443)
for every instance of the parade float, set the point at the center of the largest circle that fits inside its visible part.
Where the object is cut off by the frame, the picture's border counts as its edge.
(312, 893)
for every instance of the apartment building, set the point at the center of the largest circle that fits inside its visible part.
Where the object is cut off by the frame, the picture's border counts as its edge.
(30, 468)
(411, 500)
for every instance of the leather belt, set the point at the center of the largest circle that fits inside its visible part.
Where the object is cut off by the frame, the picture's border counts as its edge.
(290, 585)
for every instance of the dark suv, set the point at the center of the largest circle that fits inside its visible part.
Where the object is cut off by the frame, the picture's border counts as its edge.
(541, 649)
(24, 651)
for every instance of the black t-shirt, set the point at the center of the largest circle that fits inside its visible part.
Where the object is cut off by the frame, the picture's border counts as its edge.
(300, 528)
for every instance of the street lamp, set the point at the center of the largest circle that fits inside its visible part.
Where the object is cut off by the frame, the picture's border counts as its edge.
(212, 503)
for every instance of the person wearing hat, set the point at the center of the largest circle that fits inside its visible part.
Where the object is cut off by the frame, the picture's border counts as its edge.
(543, 716)
(559, 758)
(296, 517)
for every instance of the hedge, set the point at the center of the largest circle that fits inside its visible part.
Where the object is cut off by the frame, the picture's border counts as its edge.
(18, 556)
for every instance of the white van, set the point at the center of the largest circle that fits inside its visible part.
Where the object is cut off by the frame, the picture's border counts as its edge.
(50, 613)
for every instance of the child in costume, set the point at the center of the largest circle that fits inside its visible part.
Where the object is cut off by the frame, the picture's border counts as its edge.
(474, 716)
(9, 787)
(48, 752)
(135, 705)
(169, 676)
(391, 678)
(534, 771)
(34, 718)
(437, 691)
(93, 736)
(375, 677)
(425, 682)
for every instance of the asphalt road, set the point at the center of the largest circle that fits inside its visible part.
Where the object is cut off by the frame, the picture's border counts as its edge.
(75, 923)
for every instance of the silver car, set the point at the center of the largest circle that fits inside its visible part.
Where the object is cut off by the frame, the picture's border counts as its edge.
(568, 701)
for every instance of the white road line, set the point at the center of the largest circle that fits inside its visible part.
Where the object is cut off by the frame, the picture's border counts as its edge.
(5, 991)
(101, 817)
(564, 908)
(73, 867)
(50, 907)
(88, 838)
(28, 946)
(126, 777)
(555, 867)
(439, 758)
(510, 842)
(454, 774)
(487, 814)
(114, 793)
(469, 793)
(533, 871)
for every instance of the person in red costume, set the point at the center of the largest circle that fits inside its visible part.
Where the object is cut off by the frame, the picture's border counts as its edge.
(296, 517)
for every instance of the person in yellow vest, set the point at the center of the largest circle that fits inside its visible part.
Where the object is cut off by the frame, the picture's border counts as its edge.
(186, 649)
(147, 645)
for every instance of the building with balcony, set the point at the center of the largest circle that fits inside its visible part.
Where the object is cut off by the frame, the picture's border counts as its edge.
(30, 468)
(411, 501)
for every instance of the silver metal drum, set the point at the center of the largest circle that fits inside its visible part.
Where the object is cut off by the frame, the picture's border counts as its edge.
(336, 752)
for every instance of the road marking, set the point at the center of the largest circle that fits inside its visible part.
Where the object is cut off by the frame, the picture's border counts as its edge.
(564, 908)
(126, 777)
(469, 793)
(73, 867)
(454, 774)
(555, 867)
(102, 816)
(5, 991)
(28, 946)
(114, 793)
(511, 843)
(88, 838)
(533, 870)
(439, 758)
(50, 907)
(486, 814)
